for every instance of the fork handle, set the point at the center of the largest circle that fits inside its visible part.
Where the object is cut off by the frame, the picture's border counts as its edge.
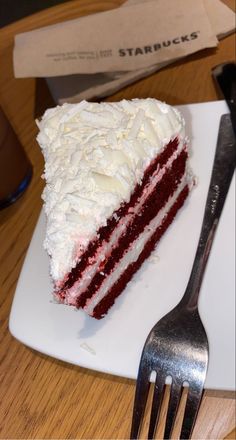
(222, 173)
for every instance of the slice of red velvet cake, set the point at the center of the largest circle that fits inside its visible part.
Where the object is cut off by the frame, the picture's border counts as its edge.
(116, 175)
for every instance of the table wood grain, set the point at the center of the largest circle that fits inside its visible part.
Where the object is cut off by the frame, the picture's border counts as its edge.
(41, 397)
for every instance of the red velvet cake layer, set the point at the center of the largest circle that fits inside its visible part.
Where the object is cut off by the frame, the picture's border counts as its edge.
(104, 305)
(154, 203)
(105, 231)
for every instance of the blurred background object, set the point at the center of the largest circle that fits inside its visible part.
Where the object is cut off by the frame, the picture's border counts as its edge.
(12, 10)
(15, 167)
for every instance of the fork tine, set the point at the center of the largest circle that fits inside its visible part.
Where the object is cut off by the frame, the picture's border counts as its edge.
(175, 395)
(156, 404)
(140, 400)
(191, 410)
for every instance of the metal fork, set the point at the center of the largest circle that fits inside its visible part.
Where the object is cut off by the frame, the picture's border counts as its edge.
(177, 345)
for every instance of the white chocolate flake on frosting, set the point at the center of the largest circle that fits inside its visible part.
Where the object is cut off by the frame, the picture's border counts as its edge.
(95, 154)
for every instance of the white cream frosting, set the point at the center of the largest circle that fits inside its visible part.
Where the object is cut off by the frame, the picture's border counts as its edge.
(95, 154)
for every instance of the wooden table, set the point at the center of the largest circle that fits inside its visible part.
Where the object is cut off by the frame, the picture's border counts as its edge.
(41, 397)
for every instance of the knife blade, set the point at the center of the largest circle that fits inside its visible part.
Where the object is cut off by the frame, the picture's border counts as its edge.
(225, 79)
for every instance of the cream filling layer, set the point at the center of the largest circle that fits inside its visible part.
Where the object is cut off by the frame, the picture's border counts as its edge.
(104, 251)
(132, 254)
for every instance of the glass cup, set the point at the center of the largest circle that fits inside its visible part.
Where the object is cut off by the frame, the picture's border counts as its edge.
(15, 167)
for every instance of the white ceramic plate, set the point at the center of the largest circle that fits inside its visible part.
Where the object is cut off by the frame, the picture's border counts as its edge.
(113, 344)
